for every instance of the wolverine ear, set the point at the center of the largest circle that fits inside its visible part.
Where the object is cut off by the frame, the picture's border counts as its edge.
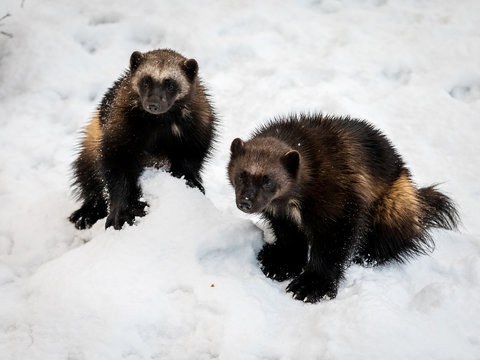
(135, 60)
(237, 147)
(190, 67)
(291, 161)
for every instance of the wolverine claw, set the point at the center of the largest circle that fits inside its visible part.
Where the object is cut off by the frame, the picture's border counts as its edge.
(108, 222)
(138, 209)
(83, 223)
(118, 217)
(194, 183)
(310, 288)
(86, 216)
(276, 263)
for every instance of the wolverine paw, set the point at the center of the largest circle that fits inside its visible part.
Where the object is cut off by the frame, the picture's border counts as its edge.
(196, 184)
(138, 208)
(191, 181)
(278, 264)
(310, 287)
(118, 217)
(85, 217)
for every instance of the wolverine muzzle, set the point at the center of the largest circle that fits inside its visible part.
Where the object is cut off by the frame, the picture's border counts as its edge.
(245, 205)
(156, 107)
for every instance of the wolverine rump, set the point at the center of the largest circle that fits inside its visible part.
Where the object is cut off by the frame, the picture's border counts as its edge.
(334, 190)
(157, 112)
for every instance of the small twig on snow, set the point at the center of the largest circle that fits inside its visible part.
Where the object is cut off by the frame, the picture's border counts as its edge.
(3, 32)
(5, 16)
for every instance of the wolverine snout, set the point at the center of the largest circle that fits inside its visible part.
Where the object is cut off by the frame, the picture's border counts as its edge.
(153, 107)
(156, 107)
(245, 205)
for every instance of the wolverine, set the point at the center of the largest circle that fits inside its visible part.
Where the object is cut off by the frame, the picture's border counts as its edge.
(334, 191)
(157, 112)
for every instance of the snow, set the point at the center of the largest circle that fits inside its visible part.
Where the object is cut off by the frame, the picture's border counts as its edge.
(183, 282)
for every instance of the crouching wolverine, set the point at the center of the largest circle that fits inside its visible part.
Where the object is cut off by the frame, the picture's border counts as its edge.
(333, 190)
(156, 111)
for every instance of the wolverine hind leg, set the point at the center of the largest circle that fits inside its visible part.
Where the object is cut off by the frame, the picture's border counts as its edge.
(90, 189)
(399, 228)
(88, 182)
(287, 257)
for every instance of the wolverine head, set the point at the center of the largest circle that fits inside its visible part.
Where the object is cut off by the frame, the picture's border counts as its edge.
(160, 78)
(261, 170)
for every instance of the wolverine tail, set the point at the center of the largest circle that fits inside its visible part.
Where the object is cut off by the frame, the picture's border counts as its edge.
(438, 210)
(401, 221)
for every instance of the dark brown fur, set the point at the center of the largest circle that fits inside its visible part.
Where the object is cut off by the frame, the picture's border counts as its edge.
(156, 113)
(337, 187)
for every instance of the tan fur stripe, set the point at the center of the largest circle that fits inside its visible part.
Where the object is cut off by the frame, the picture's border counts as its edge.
(176, 130)
(400, 202)
(93, 135)
(295, 212)
(368, 189)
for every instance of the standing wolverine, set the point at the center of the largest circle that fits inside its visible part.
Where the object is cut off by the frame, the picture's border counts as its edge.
(156, 111)
(333, 190)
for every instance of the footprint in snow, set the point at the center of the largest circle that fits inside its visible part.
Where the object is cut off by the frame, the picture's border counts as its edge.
(467, 92)
(104, 19)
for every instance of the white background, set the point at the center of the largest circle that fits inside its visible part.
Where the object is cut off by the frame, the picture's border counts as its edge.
(183, 283)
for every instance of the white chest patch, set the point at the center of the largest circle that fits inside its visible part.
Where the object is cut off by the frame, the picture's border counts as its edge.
(186, 113)
(176, 130)
(294, 211)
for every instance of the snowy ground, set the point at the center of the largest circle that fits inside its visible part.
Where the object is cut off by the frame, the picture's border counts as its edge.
(184, 283)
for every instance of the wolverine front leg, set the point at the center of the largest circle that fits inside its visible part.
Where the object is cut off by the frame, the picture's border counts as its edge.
(287, 256)
(90, 187)
(329, 256)
(121, 174)
(190, 169)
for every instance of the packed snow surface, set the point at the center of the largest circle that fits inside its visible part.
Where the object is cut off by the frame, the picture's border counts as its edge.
(183, 282)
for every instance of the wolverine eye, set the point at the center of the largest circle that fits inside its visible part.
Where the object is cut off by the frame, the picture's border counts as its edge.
(170, 84)
(242, 176)
(146, 82)
(267, 183)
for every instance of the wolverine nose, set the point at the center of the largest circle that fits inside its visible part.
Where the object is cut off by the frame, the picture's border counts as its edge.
(245, 205)
(153, 107)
